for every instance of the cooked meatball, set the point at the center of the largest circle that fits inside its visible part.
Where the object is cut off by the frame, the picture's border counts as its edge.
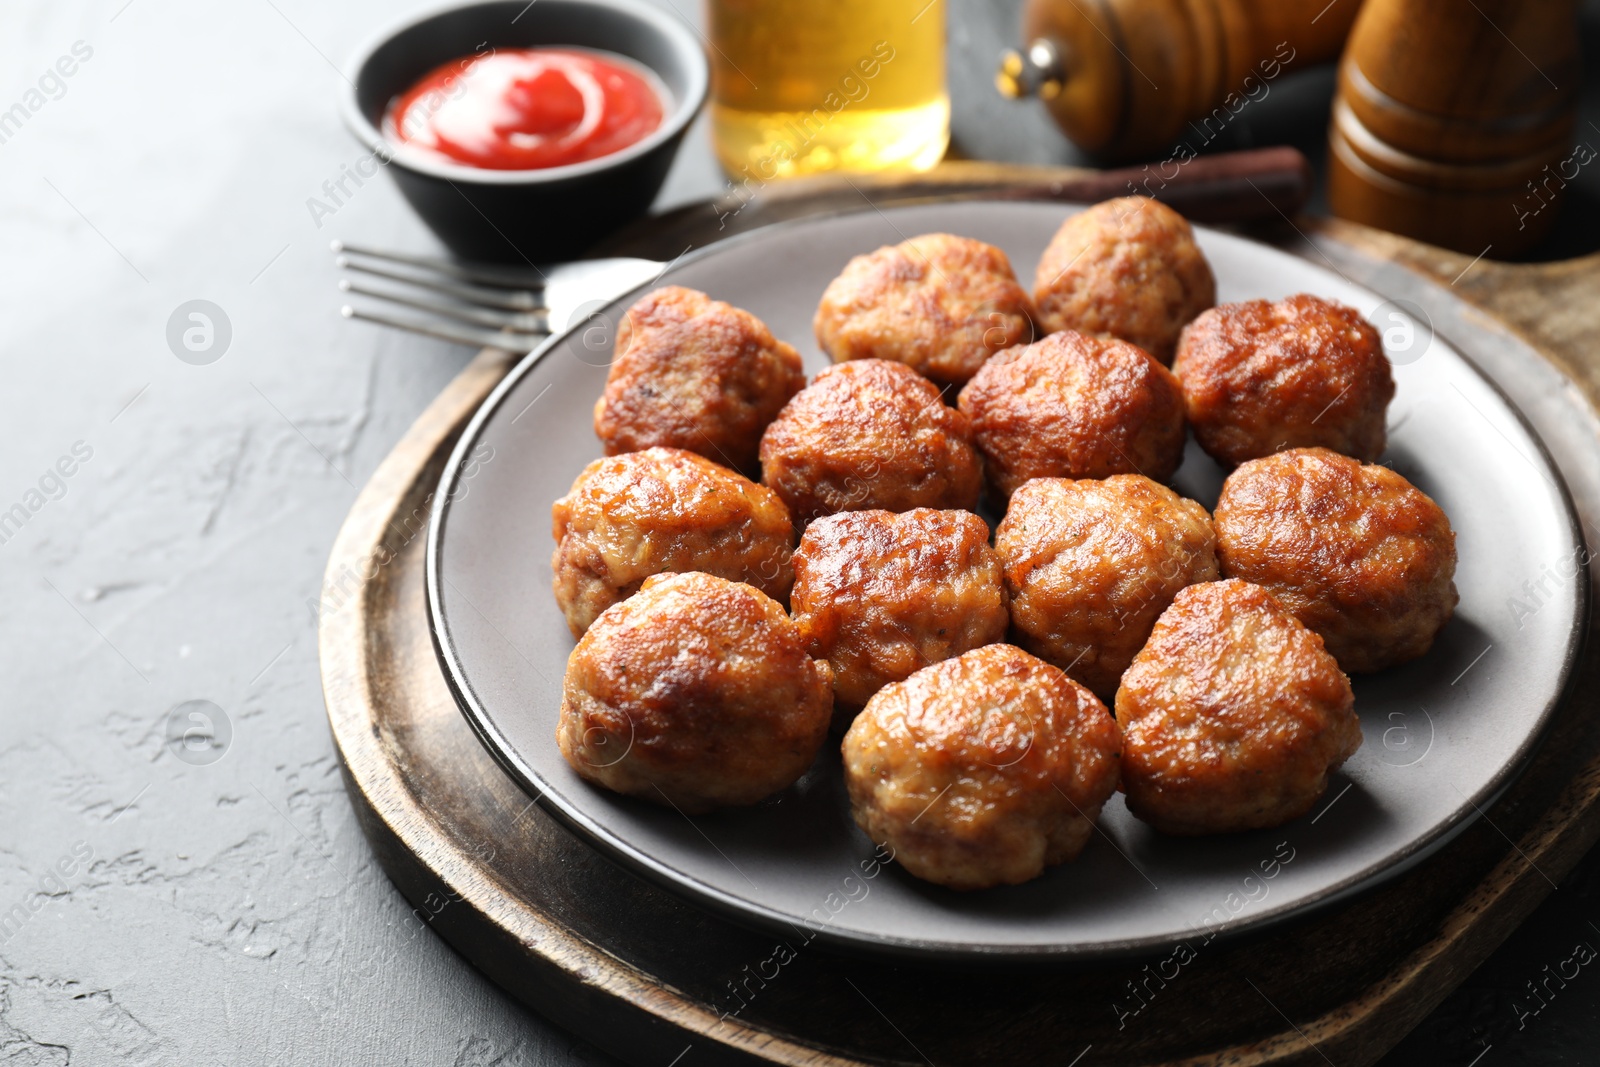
(1232, 715)
(697, 693)
(937, 303)
(1125, 268)
(880, 595)
(1258, 377)
(870, 435)
(1089, 565)
(695, 373)
(1073, 406)
(982, 770)
(1354, 551)
(663, 509)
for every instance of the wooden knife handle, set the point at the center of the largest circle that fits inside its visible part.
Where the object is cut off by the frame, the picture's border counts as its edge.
(1231, 187)
(1250, 186)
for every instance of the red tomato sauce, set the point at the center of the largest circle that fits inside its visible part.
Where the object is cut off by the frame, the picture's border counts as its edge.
(528, 108)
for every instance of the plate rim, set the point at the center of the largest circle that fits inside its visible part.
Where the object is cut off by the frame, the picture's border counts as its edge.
(749, 913)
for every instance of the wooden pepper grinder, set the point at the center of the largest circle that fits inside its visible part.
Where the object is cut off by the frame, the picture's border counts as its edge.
(1126, 79)
(1453, 121)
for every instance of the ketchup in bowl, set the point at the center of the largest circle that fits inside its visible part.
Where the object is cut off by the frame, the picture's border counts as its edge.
(528, 109)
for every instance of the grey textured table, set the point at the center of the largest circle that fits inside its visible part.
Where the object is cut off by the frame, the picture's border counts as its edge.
(157, 909)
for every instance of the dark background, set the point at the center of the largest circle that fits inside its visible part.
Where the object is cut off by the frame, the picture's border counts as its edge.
(231, 913)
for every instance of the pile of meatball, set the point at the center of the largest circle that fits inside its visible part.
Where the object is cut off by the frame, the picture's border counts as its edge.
(759, 562)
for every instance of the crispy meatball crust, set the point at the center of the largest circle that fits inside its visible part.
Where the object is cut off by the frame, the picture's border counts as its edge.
(1232, 716)
(880, 595)
(1126, 268)
(663, 509)
(1260, 376)
(982, 770)
(1353, 550)
(695, 373)
(1089, 566)
(939, 304)
(869, 435)
(1074, 406)
(697, 692)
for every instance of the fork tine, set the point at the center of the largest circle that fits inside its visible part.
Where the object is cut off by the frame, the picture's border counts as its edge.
(505, 299)
(503, 277)
(444, 331)
(519, 321)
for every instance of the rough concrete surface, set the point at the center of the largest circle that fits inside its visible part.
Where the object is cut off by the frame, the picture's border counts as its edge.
(165, 910)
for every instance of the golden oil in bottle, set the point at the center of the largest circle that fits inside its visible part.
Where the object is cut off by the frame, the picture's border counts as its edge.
(802, 86)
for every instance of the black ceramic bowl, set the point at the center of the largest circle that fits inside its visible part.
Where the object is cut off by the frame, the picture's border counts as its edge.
(528, 215)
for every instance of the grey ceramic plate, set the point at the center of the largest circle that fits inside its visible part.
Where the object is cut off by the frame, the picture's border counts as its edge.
(1443, 735)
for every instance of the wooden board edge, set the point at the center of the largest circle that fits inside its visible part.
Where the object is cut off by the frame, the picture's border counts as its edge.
(1362, 1031)
(1390, 1008)
(1549, 849)
(402, 832)
(1534, 301)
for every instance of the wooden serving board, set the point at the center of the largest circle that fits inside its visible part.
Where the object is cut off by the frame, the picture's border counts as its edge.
(650, 978)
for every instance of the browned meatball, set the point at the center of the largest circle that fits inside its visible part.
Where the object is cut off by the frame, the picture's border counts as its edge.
(870, 435)
(982, 770)
(1258, 377)
(937, 303)
(695, 373)
(1355, 551)
(1232, 715)
(1089, 565)
(880, 595)
(1125, 268)
(1072, 406)
(696, 693)
(663, 509)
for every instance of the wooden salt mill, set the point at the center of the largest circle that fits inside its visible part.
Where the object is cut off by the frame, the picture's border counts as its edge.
(1127, 79)
(1453, 121)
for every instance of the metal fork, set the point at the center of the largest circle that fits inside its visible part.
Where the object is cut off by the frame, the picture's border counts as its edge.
(510, 308)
